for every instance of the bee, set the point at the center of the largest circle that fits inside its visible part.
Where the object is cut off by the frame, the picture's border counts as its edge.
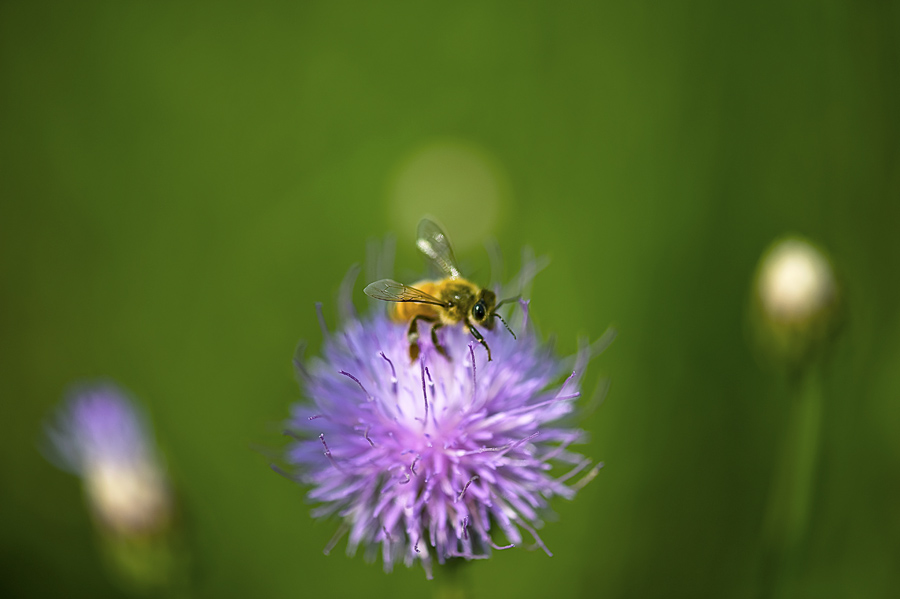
(449, 301)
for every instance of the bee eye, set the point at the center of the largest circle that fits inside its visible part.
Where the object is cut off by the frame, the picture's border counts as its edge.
(478, 311)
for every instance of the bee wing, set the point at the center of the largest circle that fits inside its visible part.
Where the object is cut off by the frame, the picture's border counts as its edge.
(392, 291)
(433, 242)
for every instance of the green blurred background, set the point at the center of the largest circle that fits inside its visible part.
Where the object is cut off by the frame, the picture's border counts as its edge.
(180, 183)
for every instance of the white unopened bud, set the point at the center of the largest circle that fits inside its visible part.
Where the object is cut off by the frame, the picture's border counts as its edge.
(795, 282)
(796, 298)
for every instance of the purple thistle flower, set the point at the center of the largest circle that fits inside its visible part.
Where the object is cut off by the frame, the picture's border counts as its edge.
(100, 435)
(436, 458)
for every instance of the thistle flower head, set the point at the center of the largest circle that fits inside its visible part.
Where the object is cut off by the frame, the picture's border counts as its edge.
(99, 435)
(437, 457)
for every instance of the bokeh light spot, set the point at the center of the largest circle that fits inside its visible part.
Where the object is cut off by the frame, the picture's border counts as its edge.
(457, 183)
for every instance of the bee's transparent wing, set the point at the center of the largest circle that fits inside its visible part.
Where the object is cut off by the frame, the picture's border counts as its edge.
(433, 242)
(392, 291)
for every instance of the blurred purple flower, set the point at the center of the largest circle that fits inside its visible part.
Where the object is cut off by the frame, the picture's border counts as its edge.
(436, 458)
(100, 435)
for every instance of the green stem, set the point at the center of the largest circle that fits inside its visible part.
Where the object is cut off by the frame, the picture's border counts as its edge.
(452, 579)
(790, 503)
(808, 423)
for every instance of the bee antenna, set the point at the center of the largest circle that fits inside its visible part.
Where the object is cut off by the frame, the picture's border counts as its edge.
(495, 315)
(506, 301)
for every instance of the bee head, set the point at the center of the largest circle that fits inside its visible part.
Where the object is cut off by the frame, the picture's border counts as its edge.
(484, 308)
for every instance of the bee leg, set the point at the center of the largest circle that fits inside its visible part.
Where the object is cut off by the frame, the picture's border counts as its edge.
(412, 335)
(480, 339)
(437, 344)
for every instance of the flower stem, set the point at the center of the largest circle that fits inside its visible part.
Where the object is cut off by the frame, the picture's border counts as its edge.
(452, 580)
(790, 502)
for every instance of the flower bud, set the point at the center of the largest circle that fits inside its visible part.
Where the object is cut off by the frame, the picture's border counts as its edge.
(796, 300)
(100, 436)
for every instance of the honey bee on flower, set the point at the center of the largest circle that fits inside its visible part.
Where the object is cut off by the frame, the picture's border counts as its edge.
(449, 301)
